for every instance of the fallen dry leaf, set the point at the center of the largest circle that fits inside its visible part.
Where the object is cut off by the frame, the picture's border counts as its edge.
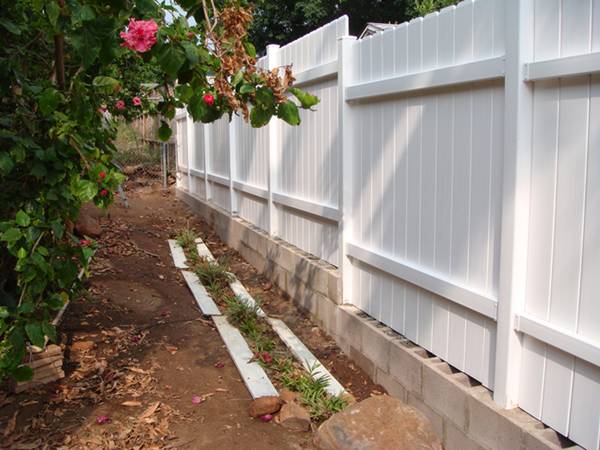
(150, 410)
(131, 403)
(11, 425)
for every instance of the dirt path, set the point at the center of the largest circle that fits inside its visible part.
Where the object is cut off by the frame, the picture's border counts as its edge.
(142, 361)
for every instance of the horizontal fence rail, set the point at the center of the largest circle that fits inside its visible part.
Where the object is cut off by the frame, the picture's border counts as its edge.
(451, 171)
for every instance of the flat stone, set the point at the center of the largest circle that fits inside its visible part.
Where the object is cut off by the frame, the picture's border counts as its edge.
(294, 417)
(377, 423)
(264, 405)
(88, 223)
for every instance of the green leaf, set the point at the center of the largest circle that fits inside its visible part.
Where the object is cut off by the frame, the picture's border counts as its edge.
(10, 26)
(259, 117)
(84, 14)
(106, 85)
(22, 219)
(11, 235)
(3, 312)
(265, 98)
(49, 330)
(171, 58)
(22, 253)
(35, 334)
(23, 373)
(237, 78)
(6, 164)
(53, 11)
(250, 49)
(288, 111)
(86, 190)
(184, 92)
(191, 52)
(164, 132)
(246, 89)
(49, 100)
(306, 100)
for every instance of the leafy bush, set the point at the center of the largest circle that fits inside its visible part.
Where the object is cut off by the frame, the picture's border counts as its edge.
(68, 69)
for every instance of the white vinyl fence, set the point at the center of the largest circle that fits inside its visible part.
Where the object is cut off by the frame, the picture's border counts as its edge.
(452, 172)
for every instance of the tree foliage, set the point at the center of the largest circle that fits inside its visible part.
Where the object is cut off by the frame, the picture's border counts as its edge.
(65, 65)
(280, 22)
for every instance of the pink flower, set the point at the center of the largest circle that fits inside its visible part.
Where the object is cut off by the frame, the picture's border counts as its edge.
(102, 175)
(101, 420)
(137, 101)
(196, 399)
(103, 193)
(209, 99)
(266, 418)
(120, 105)
(84, 242)
(102, 109)
(140, 35)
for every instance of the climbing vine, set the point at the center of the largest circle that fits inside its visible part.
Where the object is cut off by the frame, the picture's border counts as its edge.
(68, 69)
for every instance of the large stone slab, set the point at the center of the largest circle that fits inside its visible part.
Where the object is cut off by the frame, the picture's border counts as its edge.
(378, 423)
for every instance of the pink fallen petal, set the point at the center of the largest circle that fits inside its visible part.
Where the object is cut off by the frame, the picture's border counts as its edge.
(101, 420)
(266, 418)
(196, 399)
(219, 365)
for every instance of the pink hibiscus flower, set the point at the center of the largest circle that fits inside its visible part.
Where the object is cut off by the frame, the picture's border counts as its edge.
(140, 35)
(120, 105)
(137, 101)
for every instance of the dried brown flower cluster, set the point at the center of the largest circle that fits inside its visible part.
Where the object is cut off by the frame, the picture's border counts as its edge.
(228, 34)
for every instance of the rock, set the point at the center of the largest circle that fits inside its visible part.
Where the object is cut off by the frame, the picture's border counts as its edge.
(294, 417)
(87, 223)
(288, 396)
(264, 405)
(378, 423)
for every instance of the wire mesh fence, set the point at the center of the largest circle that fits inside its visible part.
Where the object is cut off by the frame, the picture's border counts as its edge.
(142, 157)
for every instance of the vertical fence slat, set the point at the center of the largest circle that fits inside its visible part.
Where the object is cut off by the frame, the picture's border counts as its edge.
(274, 147)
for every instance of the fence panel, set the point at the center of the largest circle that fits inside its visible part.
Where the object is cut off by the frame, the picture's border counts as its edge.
(309, 154)
(428, 183)
(564, 249)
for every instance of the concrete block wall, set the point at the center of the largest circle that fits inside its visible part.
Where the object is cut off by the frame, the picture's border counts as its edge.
(461, 410)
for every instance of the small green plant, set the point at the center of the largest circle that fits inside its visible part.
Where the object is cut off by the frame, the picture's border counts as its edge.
(211, 272)
(313, 392)
(186, 238)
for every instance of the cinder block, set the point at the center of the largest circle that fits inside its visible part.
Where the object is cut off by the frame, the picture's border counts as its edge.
(406, 366)
(363, 362)
(436, 419)
(455, 439)
(273, 249)
(545, 439)
(334, 286)
(327, 314)
(349, 326)
(253, 258)
(391, 385)
(444, 395)
(261, 243)
(492, 426)
(376, 344)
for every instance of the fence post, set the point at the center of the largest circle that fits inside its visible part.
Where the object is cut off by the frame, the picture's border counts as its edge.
(206, 160)
(274, 153)
(515, 201)
(346, 70)
(191, 152)
(232, 158)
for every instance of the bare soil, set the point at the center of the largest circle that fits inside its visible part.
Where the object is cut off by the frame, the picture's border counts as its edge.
(152, 353)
